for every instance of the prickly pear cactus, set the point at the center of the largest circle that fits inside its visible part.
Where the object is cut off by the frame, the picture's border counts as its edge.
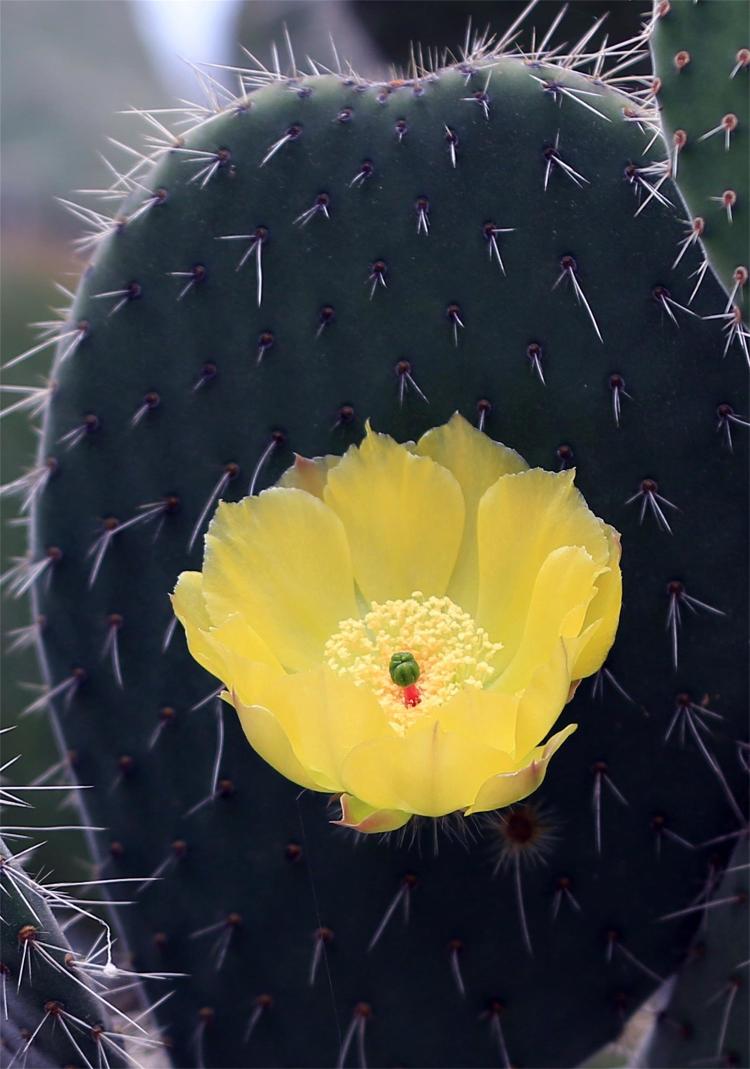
(707, 1017)
(494, 238)
(701, 57)
(52, 1015)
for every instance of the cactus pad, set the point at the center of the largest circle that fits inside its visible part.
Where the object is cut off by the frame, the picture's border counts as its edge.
(323, 251)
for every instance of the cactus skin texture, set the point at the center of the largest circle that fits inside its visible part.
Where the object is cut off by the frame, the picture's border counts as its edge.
(707, 1016)
(39, 995)
(701, 54)
(194, 380)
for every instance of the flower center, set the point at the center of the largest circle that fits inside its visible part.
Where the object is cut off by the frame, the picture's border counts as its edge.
(413, 653)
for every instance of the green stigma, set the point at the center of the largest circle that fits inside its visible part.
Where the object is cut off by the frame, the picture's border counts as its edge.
(404, 669)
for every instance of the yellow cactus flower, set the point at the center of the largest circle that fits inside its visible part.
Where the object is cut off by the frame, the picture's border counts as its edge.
(403, 625)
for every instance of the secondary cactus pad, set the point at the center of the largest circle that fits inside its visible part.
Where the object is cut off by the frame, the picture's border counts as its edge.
(701, 61)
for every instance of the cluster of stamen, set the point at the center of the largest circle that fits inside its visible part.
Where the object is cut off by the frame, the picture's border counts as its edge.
(452, 652)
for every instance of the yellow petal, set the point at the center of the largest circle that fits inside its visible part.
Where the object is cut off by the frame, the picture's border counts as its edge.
(363, 818)
(281, 561)
(476, 462)
(323, 715)
(522, 518)
(190, 609)
(238, 644)
(269, 740)
(308, 474)
(543, 700)
(216, 649)
(605, 608)
(508, 787)
(404, 517)
(311, 473)
(426, 771)
(486, 716)
(564, 587)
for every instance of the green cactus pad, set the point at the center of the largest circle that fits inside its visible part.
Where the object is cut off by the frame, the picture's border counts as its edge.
(706, 1019)
(701, 55)
(52, 1015)
(465, 241)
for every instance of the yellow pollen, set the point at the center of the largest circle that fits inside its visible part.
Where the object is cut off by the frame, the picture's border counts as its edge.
(452, 652)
